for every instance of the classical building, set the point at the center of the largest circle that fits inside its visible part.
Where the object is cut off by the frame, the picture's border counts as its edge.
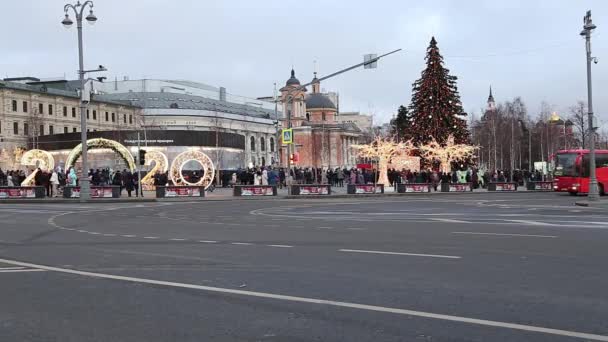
(30, 109)
(191, 106)
(320, 140)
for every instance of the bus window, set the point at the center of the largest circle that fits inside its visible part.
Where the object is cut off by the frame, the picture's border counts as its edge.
(565, 165)
(601, 160)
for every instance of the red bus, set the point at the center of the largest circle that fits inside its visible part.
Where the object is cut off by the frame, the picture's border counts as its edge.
(572, 171)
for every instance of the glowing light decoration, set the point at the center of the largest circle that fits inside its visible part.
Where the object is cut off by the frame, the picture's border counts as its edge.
(383, 150)
(402, 161)
(39, 159)
(177, 165)
(161, 164)
(96, 143)
(446, 154)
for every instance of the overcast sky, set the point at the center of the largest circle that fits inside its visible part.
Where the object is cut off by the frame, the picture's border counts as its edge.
(522, 48)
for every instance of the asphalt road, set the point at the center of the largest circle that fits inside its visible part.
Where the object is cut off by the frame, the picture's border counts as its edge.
(463, 267)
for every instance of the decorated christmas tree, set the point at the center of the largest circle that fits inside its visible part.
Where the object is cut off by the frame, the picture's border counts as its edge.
(435, 112)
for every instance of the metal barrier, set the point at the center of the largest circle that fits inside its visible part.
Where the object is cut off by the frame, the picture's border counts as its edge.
(413, 187)
(540, 186)
(22, 192)
(502, 186)
(310, 189)
(456, 187)
(106, 191)
(170, 191)
(356, 189)
(255, 190)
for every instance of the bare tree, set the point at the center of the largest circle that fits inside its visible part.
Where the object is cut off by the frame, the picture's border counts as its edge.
(578, 116)
(34, 121)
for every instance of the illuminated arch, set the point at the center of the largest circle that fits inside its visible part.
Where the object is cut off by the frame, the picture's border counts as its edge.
(37, 158)
(178, 164)
(96, 143)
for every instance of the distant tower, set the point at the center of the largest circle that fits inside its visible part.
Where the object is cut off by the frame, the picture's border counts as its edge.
(491, 103)
(292, 98)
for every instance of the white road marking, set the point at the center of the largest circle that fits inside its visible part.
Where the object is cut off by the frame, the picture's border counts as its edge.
(82, 231)
(507, 234)
(94, 233)
(405, 312)
(325, 227)
(356, 228)
(280, 246)
(109, 234)
(177, 239)
(241, 243)
(12, 268)
(400, 253)
(449, 220)
(207, 241)
(151, 237)
(129, 236)
(532, 223)
(22, 270)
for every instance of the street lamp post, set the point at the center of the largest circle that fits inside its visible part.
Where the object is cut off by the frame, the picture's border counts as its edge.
(79, 9)
(588, 26)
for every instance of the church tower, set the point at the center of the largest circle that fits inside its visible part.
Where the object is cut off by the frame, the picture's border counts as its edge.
(491, 103)
(293, 101)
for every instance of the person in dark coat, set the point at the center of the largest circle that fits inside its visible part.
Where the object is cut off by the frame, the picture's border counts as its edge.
(129, 182)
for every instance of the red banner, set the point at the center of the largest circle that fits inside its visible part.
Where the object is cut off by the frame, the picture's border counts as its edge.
(182, 191)
(417, 188)
(505, 187)
(367, 189)
(460, 187)
(17, 193)
(314, 190)
(257, 191)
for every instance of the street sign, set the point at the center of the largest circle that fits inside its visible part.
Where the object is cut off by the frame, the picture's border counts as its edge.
(287, 136)
(371, 61)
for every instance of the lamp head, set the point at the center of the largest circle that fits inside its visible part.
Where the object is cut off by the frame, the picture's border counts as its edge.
(67, 22)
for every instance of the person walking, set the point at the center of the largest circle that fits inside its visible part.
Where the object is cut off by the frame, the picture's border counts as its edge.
(128, 180)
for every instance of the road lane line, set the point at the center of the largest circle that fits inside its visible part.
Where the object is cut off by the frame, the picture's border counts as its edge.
(449, 220)
(280, 246)
(151, 237)
(207, 241)
(507, 234)
(12, 268)
(241, 243)
(532, 223)
(22, 270)
(405, 312)
(400, 253)
(129, 236)
(175, 239)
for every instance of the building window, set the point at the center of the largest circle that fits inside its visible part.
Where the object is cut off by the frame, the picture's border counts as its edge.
(50, 109)
(65, 111)
(74, 130)
(113, 117)
(14, 105)
(40, 108)
(73, 112)
(65, 130)
(124, 118)
(94, 115)
(252, 143)
(24, 106)
(130, 119)
(87, 114)
(41, 130)
(15, 128)
(271, 144)
(26, 129)
(262, 144)
(51, 129)
(107, 116)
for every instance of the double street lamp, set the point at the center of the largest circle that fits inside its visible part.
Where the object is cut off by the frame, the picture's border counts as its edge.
(79, 12)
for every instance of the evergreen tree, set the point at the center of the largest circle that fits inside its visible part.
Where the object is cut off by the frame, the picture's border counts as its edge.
(400, 123)
(435, 111)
